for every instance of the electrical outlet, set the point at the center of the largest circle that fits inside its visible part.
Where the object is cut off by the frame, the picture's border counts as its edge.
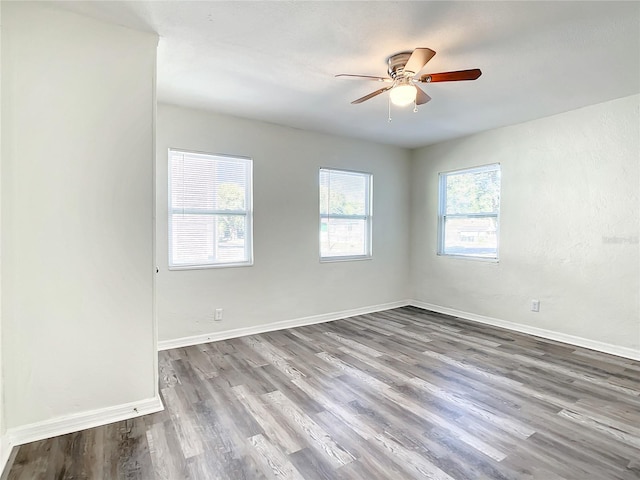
(218, 315)
(535, 305)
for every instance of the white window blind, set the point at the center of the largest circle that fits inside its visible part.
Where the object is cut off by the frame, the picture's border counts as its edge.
(345, 215)
(210, 218)
(469, 212)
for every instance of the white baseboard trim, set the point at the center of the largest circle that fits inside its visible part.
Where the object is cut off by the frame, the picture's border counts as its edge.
(538, 332)
(5, 452)
(80, 421)
(270, 327)
(299, 322)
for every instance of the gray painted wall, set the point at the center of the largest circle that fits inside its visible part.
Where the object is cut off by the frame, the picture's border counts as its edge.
(569, 225)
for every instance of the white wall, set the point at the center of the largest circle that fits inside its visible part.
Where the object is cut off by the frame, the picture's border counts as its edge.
(287, 281)
(77, 157)
(569, 225)
(4, 448)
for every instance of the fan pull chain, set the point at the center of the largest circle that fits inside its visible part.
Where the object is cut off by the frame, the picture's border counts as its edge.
(389, 102)
(415, 105)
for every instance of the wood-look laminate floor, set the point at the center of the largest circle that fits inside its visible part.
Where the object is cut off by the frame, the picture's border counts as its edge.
(400, 394)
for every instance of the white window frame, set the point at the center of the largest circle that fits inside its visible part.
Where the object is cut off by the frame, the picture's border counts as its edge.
(442, 215)
(368, 217)
(247, 212)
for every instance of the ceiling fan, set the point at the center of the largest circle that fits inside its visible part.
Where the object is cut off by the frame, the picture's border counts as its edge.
(403, 77)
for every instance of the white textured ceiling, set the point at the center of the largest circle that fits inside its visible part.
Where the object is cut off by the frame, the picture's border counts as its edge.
(275, 61)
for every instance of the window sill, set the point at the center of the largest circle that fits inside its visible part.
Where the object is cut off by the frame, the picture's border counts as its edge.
(345, 259)
(470, 257)
(204, 267)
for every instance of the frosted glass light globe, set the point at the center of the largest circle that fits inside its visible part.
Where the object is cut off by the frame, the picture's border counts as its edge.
(403, 95)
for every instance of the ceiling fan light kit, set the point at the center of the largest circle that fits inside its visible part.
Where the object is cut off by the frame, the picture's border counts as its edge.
(403, 94)
(403, 69)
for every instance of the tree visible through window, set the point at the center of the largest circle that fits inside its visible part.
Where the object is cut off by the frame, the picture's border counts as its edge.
(209, 210)
(345, 214)
(469, 212)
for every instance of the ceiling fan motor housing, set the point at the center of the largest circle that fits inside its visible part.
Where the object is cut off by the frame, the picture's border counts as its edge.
(396, 65)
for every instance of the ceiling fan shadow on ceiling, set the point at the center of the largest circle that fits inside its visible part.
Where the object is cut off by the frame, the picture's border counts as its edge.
(403, 79)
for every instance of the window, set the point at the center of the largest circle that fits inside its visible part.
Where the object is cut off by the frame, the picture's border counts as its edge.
(345, 215)
(469, 211)
(209, 210)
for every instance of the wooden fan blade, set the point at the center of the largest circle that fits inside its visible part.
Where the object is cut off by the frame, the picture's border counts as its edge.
(451, 76)
(370, 77)
(421, 97)
(418, 59)
(371, 95)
